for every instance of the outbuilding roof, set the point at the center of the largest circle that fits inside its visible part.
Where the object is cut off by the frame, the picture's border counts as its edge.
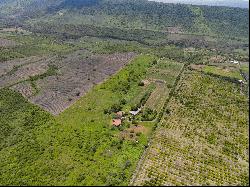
(116, 122)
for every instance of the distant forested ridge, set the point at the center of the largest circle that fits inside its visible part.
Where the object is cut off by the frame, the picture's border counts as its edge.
(139, 14)
(228, 3)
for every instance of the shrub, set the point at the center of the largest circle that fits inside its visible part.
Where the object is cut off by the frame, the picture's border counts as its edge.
(134, 108)
(149, 114)
(154, 62)
(138, 134)
(123, 102)
(134, 122)
(141, 83)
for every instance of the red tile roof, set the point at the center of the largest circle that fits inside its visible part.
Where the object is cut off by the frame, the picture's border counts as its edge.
(117, 122)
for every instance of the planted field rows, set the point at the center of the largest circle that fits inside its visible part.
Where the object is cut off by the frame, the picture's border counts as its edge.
(157, 97)
(59, 82)
(163, 75)
(23, 73)
(7, 43)
(203, 139)
(76, 76)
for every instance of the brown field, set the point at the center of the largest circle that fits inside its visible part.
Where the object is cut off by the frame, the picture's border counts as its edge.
(14, 30)
(8, 66)
(75, 75)
(132, 132)
(7, 43)
(23, 72)
(24, 88)
(174, 30)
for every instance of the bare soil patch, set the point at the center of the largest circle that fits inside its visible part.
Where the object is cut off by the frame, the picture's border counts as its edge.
(217, 59)
(174, 30)
(23, 73)
(14, 30)
(7, 43)
(76, 76)
(8, 66)
(197, 67)
(24, 88)
(133, 132)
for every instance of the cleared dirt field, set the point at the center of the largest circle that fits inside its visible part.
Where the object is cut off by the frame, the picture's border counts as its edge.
(75, 74)
(7, 67)
(13, 72)
(24, 88)
(7, 43)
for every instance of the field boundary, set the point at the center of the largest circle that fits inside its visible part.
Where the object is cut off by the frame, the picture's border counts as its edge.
(156, 125)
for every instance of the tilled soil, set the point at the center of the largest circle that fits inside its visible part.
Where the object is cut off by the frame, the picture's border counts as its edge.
(23, 71)
(76, 74)
(7, 43)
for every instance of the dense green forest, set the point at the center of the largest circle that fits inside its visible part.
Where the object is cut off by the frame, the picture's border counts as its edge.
(140, 14)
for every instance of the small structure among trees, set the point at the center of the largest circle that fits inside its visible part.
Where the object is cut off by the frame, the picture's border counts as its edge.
(117, 120)
(234, 61)
(134, 113)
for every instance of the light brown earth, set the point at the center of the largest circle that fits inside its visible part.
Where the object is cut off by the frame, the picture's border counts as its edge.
(7, 43)
(76, 74)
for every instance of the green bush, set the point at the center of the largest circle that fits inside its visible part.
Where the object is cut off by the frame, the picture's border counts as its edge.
(148, 114)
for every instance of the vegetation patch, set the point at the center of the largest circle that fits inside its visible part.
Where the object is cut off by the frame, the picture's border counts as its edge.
(202, 139)
(78, 147)
(226, 71)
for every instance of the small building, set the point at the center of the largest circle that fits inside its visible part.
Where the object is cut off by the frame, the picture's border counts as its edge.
(234, 62)
(117, 122)
(134, 113)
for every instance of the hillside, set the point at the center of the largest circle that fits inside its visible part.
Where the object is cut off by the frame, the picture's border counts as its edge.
(141, 14)
(121, 92)
(228, 3)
